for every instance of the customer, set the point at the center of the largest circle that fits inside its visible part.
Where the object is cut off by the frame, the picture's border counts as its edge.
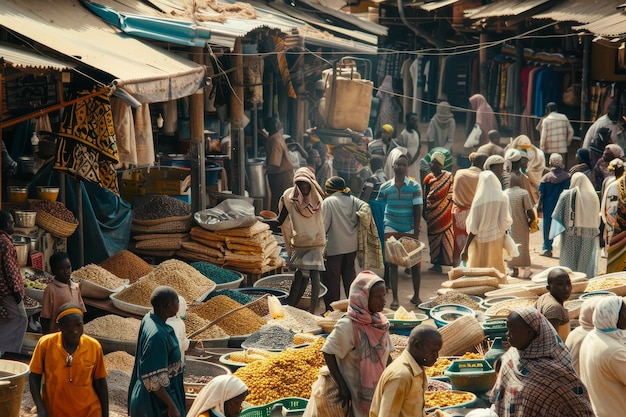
(536, 377)
(339, 211)
(536, 165)
(156, 384)
(409, 138)
(67, 371)
(61, 290)
(576, 336)
(617, 246)
(303, 229)
(492, 147)
(556, 132)
(485, 118)
(551, 304)
(577, 217)
(465, 183)
(601, 169)
(523, 217)
(441, 128)
(278, 163)
(380, 148)
(495, 164)
(608, 207)
(221, 397)
(603, 358)
(583, 163)
(610, 121)
(403, 214)
(518, 162)
(357, 350)
(13, 322)
(552, 184)
(400, 391)
(488, 221)
(438, 213)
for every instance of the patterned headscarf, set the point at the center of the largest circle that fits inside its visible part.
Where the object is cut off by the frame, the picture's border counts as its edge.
(336, 185)
(371, 331)
(306, 205)
(439, 157)
(606, 314)
(539, 380)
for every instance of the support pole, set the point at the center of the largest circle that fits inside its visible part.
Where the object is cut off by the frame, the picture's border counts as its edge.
(81, 232)
(236, 121)
(584, 93)
(482, 59)
(196, 144)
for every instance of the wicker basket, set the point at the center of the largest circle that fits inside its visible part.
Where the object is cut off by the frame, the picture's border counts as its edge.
(57, 227)
(327, 325)
(177, 226)
(158, 244)
(460, 336)
(156, 222)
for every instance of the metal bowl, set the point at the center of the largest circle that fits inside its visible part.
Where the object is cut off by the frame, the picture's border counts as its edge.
(25, 218)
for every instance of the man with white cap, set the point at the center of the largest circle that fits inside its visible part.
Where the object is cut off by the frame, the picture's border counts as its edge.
(550, 189)
(495, 164)
(514, 158)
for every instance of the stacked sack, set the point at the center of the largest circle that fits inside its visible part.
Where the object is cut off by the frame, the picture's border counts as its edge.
(472, 281)
(160, 226)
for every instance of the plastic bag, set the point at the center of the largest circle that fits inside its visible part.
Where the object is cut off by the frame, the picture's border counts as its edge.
(473, 139)
(324, 401)
(276, 309)
(510, 246)
(228, 214)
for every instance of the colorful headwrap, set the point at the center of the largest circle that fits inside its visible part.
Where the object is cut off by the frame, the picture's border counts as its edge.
(439, 157)
(67, 312)
(387, 129)
(616, 163)
(336, 185)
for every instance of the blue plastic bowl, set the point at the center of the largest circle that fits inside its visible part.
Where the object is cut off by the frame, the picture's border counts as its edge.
(595, 294)
(426, 306)
(446, 313)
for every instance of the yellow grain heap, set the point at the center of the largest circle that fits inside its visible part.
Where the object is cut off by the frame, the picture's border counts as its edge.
(443, 363)
(184, 278)
(241, 322)
(447, 398)
(290, 374)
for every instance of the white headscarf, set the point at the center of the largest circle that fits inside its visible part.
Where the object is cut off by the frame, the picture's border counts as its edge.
(214, 394)
(606, 315)
(489, 216)
(394, 154)
(587, 204)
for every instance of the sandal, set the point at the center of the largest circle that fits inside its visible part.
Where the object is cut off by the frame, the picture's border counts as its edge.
(394, 305)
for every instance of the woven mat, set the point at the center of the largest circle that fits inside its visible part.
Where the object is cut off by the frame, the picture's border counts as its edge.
(157, 253)
(155, 222)
(202, 249)
(256, 228)
(205, 234)
(198, 257)
(159, 244)
(161, 236)
(181, 226)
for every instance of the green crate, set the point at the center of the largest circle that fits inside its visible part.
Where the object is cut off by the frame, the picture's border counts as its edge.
(473, 375)
(292, 406)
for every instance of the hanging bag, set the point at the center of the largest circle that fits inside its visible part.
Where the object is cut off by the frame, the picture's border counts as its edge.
(572, 90)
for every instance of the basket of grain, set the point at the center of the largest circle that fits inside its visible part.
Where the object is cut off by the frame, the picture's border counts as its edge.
(504, 308)
(55, 218)
(283, 282)
(197, 374)
(406, 251)
(615, 283)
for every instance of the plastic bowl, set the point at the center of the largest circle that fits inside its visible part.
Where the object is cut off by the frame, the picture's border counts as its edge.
(595, 294)
(446, 313)
(473, 375)
(48, 193)
(405, 324)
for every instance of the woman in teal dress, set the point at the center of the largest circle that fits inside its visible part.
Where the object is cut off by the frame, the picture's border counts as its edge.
(156, 385)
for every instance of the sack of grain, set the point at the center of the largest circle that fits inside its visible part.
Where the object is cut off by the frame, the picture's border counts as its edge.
(459, 272)
(460, 336)
(471, 282)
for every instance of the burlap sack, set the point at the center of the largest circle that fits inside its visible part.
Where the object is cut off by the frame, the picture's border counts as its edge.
(256, 228)
(471, 282)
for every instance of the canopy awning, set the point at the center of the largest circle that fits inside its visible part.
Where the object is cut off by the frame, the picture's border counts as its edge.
(22, 58)
(150, 74)
(505, 8)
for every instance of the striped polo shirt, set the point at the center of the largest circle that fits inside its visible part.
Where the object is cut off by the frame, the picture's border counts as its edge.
(399, 208)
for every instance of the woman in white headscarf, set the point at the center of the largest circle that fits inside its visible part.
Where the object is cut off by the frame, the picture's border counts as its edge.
(536, 165)
(487, 223)
(222, 397)
(441, 128)
(577, 218)
(576, 336)
(603, 358)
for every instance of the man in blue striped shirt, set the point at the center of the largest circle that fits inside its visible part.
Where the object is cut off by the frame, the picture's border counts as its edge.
(403, 212)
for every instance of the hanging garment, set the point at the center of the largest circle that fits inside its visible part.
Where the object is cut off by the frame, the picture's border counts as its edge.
(124, 133)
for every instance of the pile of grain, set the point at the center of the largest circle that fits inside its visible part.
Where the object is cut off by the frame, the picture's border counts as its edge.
(194, 322)
(241, 322)
(455, 298)
(127, 265)
(119, 360)
(114, 327)
(270, 337)
(297, 320)
(97, 275)
(161, 207)
(185, 279)
(215, 273)
(138, 293)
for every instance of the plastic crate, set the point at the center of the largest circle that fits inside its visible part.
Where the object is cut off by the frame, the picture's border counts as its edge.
(473, 375)
(291, 407)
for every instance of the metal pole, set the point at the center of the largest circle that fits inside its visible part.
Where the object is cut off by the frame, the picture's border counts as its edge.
(81, 236)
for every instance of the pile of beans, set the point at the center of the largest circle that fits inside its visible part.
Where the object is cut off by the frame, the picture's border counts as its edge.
(289, 374)
(194, 322)
(161, 207)
(127, 265)
(57, 210)
(138, 293)
(270, 337)
(97, 275)
(119, 360)
(215, 273)
(115, 327)
(238, 296)
(239, 323)
(285, 285)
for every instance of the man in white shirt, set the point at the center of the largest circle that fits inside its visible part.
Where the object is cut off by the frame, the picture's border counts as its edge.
(410, 139)
(609, 120)
(556, 132)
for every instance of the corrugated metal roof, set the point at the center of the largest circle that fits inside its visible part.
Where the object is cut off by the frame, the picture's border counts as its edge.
(149, 73)
(22, 58)
(434, 5)
(600, 17)
(504, 8)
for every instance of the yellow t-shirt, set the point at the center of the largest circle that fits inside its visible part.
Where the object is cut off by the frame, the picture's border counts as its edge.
(68, 390)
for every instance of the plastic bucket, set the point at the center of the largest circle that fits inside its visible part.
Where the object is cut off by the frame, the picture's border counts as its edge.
(13, 376)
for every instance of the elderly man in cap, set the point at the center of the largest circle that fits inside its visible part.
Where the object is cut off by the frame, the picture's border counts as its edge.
(339, 211)
(495, 164)
(550, 188)
(492, 147)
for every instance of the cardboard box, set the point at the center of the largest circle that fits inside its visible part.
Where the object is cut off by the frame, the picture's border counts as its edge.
(159, 181)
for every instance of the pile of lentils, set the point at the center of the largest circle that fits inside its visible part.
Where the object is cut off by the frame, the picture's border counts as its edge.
(161, 207)
(270, 337)
(215, 273)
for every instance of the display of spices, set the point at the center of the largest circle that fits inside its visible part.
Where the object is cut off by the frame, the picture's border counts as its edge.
(138, 293)
(97, 275)
(215, 273)
(289, 374)
(127, 265)
(57, 210)
(120, 360)
(114, 327)
(270, 337)
(161, 207)
(240, 322)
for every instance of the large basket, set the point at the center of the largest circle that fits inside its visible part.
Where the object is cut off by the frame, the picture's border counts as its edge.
(396, 254)
(156, 222)
(57, 227)
(460, 336)
(177, 226)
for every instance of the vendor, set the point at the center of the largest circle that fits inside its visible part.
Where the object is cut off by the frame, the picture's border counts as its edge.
(551, 303)
(222, 397)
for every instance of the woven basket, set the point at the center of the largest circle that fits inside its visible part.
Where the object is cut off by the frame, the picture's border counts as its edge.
(178, 226)
(341, 305)
(156, 222)
(327, 325)
(57, 227)
(460, 336)
(159, 244)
